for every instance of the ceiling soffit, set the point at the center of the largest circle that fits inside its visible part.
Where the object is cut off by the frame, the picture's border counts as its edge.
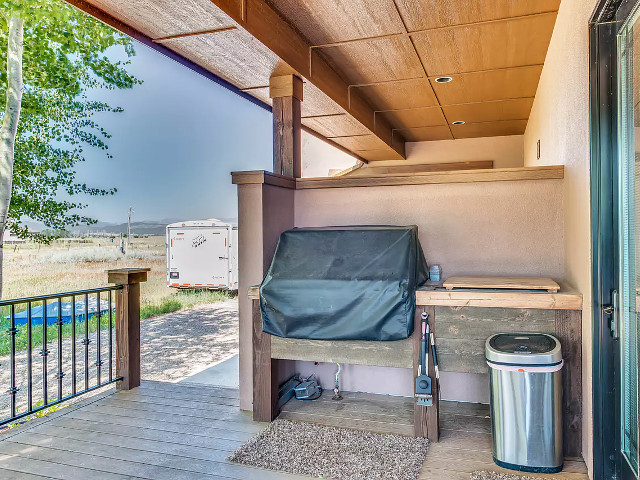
(370, 65)
(392, 52)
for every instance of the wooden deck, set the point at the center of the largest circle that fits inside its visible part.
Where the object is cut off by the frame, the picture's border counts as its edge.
(163, 431)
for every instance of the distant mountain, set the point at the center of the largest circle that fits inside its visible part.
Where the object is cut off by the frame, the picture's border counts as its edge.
(143, 227)
(147, 227)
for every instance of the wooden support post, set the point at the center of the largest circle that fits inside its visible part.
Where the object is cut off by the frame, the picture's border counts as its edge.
(286, 92)
(426, 420)
(568, 327)
(128, 324)
(265, 388)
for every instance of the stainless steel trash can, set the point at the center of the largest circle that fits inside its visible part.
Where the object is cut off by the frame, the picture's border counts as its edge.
(525, 372)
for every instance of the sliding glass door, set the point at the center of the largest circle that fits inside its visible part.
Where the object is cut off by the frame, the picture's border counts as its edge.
(626, 317)
(615, 200)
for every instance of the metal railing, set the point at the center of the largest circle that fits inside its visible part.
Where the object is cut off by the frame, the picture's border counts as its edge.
(23, 316)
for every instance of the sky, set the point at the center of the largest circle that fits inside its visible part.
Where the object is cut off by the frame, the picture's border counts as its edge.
(174, 146)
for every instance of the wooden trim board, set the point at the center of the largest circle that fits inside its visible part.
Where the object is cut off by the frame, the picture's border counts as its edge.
(460, 176)
(568, 329)
(353, 352)
(511, 283)
(417, 168)
(260, 177)
(254, 292)
(265, 389)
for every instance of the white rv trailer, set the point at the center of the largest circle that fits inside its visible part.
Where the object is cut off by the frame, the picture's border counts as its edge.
(202, 254)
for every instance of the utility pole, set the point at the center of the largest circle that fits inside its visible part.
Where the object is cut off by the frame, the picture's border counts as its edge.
(129, 229)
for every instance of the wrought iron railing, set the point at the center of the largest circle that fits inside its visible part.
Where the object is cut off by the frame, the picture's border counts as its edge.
(26, 315)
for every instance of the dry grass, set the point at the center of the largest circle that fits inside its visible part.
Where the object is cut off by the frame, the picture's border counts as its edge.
(27, 273)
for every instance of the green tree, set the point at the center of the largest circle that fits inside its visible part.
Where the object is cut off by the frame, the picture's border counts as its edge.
(52, 54)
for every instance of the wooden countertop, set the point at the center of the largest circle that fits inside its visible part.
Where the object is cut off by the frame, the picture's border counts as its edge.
(435, 294)
(565, 299)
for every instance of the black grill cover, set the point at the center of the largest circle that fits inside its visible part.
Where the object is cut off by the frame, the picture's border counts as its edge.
(343, 283)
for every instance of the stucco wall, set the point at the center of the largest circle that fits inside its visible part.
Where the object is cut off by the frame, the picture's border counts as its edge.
(456, 386)
(505, 152)
(499, 228)
(493, 228)
(318, 157)
(560, 119)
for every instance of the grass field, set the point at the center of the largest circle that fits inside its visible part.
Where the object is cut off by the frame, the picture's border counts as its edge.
(76, 264)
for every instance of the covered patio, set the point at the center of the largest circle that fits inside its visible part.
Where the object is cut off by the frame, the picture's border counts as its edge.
(172, 431)
(455, 118)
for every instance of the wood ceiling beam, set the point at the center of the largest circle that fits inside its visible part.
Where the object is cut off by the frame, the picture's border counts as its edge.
(265, 24)
(193, 34)
(325, 115)
(312, 132)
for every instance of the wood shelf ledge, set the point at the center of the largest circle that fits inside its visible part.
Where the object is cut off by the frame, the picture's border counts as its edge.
(565, 299)
(555, 172)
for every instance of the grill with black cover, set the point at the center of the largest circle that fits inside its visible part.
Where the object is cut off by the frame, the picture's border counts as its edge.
(343, 283)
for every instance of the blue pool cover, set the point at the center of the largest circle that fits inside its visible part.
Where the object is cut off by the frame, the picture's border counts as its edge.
(52, 312)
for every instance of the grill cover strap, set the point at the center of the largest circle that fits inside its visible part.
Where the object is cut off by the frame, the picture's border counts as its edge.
(343, 283)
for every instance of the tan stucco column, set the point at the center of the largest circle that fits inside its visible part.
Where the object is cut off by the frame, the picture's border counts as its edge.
(265, 210)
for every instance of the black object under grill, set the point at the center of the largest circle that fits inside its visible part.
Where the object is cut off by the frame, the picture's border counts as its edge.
(343, 283)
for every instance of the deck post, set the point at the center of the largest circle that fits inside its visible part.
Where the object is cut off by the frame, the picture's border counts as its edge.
(286, 94)
(128, 324)
(568, 329)
(265, 382)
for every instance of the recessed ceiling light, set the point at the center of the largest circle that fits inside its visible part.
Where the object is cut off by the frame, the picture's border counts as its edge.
(443, 79)
(458, 122)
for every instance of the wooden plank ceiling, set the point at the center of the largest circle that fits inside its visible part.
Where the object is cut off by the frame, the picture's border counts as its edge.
(372, 68)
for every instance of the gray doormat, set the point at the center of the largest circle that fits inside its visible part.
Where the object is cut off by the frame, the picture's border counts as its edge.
(502, 476)
(330, 452)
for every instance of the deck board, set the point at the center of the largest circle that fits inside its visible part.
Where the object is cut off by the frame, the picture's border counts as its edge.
(177, 432)
(141, 419)
(377, 413)
(13, 475)
(74, 427)
(190, 396)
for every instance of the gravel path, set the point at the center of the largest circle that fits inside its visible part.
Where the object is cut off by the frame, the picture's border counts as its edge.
(174, 346)
(177, 345)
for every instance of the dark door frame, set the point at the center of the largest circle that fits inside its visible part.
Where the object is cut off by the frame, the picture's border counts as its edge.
(603, 30)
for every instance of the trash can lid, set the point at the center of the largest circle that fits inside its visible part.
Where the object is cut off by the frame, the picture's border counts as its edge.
(523, 349)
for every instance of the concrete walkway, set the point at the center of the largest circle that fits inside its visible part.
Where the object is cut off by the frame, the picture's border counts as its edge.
(223, 374)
